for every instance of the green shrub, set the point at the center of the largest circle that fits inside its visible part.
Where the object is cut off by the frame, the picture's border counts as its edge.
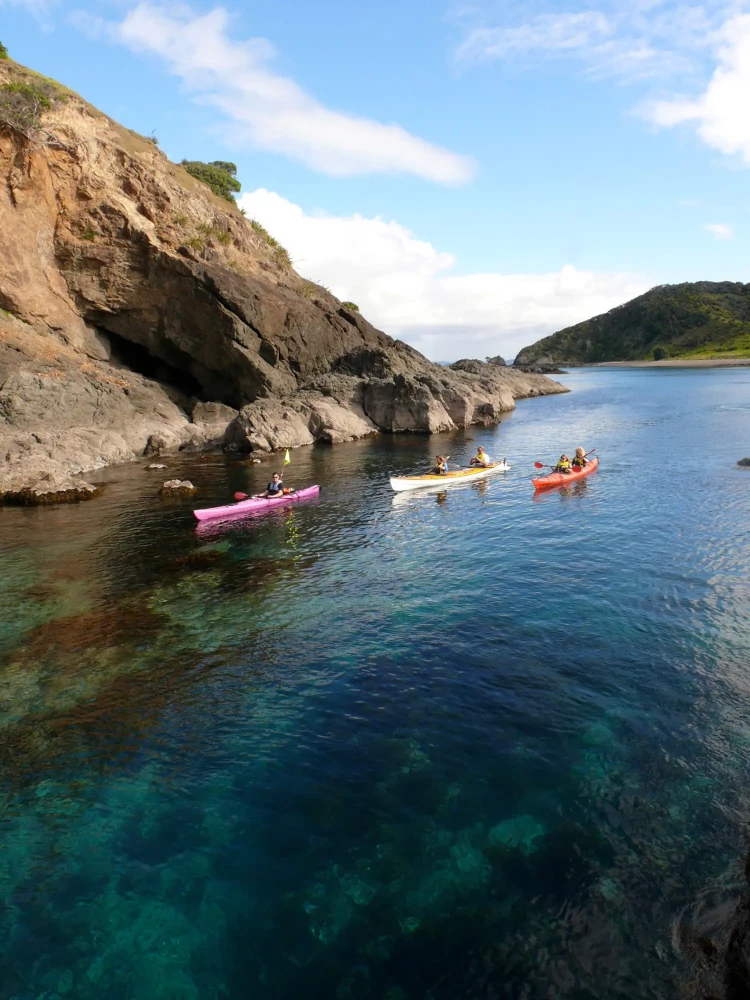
(196, 242)
(213, 232)
(314, 290)
(89, 234)
(22, 106)
(351, 306)
(659, 354)
(3, 52)
(153, 139)
(216, 175)
(180, 220)
(280, 253)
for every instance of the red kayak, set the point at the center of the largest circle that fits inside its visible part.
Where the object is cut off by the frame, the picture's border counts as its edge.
(563, 478)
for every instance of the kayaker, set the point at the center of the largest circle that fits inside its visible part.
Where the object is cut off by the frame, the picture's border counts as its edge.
(481, 459)
(579, 459)
(563, 465)
(274, 489)
(441, 466)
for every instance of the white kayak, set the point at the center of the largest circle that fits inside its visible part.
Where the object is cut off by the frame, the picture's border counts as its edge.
(399, 483)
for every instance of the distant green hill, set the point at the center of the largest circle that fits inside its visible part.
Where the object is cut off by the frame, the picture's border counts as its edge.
(701, 319)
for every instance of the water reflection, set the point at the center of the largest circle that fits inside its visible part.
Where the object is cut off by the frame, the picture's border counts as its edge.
(301, 756)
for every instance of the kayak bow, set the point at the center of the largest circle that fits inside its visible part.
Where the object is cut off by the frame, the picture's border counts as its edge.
(399, 483)
(255, 504)
(563, 478)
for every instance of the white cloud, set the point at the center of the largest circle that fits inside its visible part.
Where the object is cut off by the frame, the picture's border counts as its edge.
(271, 111)
(407, 287)
(38, 8)
(626, 40)
(719, 230)
(721, 112)
(550, 32)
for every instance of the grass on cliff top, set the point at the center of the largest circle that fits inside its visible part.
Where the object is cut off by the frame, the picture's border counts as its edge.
(280, 253)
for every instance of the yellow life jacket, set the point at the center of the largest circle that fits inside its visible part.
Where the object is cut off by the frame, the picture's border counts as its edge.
(562, 467)
(578, 463)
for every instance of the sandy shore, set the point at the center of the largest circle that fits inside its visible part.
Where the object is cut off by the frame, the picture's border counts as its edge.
(676, 363)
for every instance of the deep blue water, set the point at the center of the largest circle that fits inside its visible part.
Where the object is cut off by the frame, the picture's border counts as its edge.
(477, 744)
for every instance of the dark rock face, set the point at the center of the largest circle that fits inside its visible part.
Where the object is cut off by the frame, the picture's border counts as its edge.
(142, 315)
(744, 462)
(497, 360)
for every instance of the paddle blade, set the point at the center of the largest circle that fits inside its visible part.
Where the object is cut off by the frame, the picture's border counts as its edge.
(240, 496)
(539, 465)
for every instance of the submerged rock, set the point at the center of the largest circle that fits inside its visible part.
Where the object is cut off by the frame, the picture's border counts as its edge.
(155, 465)
(49, 490)
(519, 832)
(177, 487)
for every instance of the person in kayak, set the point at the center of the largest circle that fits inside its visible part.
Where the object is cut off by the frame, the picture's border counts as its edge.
(481, 460)
(579, 459)
(441, 466)
(563, 465)
(274, 489)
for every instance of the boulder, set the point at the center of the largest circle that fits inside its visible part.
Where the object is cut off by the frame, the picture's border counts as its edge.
(267, 425)
(405, 404)
(156, 444)
(49, 490)
(177, 487)
(744, 463)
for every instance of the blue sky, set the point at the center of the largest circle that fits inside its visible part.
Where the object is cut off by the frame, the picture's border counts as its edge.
(474, 175)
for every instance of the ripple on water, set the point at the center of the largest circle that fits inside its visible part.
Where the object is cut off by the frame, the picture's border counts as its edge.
(470, 744)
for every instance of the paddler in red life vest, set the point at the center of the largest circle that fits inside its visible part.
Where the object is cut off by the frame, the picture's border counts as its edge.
(481, 460)
(274, 489)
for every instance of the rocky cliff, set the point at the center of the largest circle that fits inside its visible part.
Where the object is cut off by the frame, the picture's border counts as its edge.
(700, 319)
(140, 313)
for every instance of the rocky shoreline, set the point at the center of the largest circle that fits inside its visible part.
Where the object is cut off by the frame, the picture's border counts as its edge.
(140, 314)
(673, 363)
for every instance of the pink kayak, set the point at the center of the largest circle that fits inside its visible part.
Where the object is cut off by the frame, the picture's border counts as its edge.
(256, 504)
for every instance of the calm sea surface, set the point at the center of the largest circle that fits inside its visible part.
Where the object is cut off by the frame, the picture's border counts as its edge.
(477, 744)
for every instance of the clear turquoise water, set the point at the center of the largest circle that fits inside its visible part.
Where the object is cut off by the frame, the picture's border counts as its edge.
(470, 745)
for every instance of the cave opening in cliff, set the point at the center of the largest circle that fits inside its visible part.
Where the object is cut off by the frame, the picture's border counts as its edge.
(127, 354)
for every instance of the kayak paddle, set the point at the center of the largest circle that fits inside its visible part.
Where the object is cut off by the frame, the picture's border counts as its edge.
(255, 496)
